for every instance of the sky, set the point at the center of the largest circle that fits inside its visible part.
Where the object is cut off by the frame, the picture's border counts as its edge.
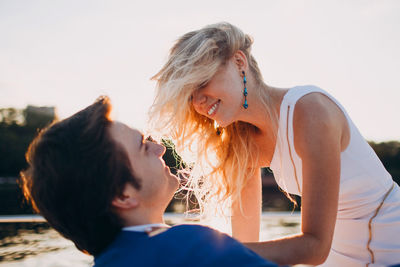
(67, 53)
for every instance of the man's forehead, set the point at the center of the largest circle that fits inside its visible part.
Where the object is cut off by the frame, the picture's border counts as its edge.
(120, 129)
(123, 126)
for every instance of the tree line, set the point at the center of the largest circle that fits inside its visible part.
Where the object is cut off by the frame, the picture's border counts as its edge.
(18, 127)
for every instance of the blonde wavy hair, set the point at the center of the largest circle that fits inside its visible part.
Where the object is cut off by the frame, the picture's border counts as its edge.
(225, 161)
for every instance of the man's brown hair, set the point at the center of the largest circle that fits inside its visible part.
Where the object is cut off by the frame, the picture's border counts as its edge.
(74, 171)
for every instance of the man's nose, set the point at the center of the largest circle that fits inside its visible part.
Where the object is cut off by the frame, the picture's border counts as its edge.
(158, 149)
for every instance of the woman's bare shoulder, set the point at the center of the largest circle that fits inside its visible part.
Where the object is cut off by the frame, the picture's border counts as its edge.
(317, 116)
(317, 105)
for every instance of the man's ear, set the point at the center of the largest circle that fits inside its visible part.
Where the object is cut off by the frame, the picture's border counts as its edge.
(128, 199)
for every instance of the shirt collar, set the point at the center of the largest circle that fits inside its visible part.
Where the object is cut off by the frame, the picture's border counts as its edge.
(145, 227)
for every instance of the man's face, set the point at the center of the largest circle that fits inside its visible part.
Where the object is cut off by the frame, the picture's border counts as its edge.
(158, 184)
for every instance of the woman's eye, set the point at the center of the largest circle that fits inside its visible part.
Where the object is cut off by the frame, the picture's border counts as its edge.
(202, 85)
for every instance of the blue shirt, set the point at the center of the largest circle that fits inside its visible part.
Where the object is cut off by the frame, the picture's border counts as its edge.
(182, 245)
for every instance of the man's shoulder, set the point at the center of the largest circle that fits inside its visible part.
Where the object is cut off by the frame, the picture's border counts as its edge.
(180, 245)
(198, 234)
(193, 229)
(220, 248)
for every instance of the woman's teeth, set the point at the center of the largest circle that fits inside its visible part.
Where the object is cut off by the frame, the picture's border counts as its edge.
(212, 109)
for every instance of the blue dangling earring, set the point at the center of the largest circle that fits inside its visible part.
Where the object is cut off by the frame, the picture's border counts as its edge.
(245, 105)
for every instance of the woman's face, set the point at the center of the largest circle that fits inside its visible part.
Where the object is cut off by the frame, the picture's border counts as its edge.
(222, 98)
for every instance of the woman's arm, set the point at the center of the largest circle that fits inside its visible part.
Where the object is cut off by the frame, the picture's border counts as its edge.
(246, 225)
(321, 132)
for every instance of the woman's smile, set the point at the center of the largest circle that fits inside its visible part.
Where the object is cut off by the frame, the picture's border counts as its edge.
(213, 109)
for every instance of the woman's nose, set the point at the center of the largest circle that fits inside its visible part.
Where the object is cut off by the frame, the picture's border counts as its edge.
(199, 100)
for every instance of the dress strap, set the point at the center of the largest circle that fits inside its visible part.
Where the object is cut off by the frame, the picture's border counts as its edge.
(370, 225)
(290, 100)
(290, 149)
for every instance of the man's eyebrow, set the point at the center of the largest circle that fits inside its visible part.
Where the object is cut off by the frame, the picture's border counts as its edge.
(149, 138)
(141, 142)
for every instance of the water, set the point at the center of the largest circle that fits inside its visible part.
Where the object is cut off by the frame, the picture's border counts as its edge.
(35, 244)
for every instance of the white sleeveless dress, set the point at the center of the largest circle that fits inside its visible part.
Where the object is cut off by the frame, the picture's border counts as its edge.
(361, 237)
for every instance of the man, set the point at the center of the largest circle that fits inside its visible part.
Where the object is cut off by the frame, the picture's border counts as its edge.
(103, 186)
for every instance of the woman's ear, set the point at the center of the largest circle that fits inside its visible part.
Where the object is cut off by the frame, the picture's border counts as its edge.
(127, 200)
(240, 60)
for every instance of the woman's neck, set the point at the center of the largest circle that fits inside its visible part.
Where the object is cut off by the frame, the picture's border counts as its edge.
(258, 114)
(266, 121)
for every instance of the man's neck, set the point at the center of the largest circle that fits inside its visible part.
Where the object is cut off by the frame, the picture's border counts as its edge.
(143, 218)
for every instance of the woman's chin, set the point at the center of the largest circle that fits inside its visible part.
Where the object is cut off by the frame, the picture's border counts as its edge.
(223, 124)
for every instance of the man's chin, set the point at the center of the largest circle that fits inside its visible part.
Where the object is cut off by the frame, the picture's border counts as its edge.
(173, 180)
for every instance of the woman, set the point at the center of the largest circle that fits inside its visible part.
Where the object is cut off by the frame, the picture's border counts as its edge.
(350, 205)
